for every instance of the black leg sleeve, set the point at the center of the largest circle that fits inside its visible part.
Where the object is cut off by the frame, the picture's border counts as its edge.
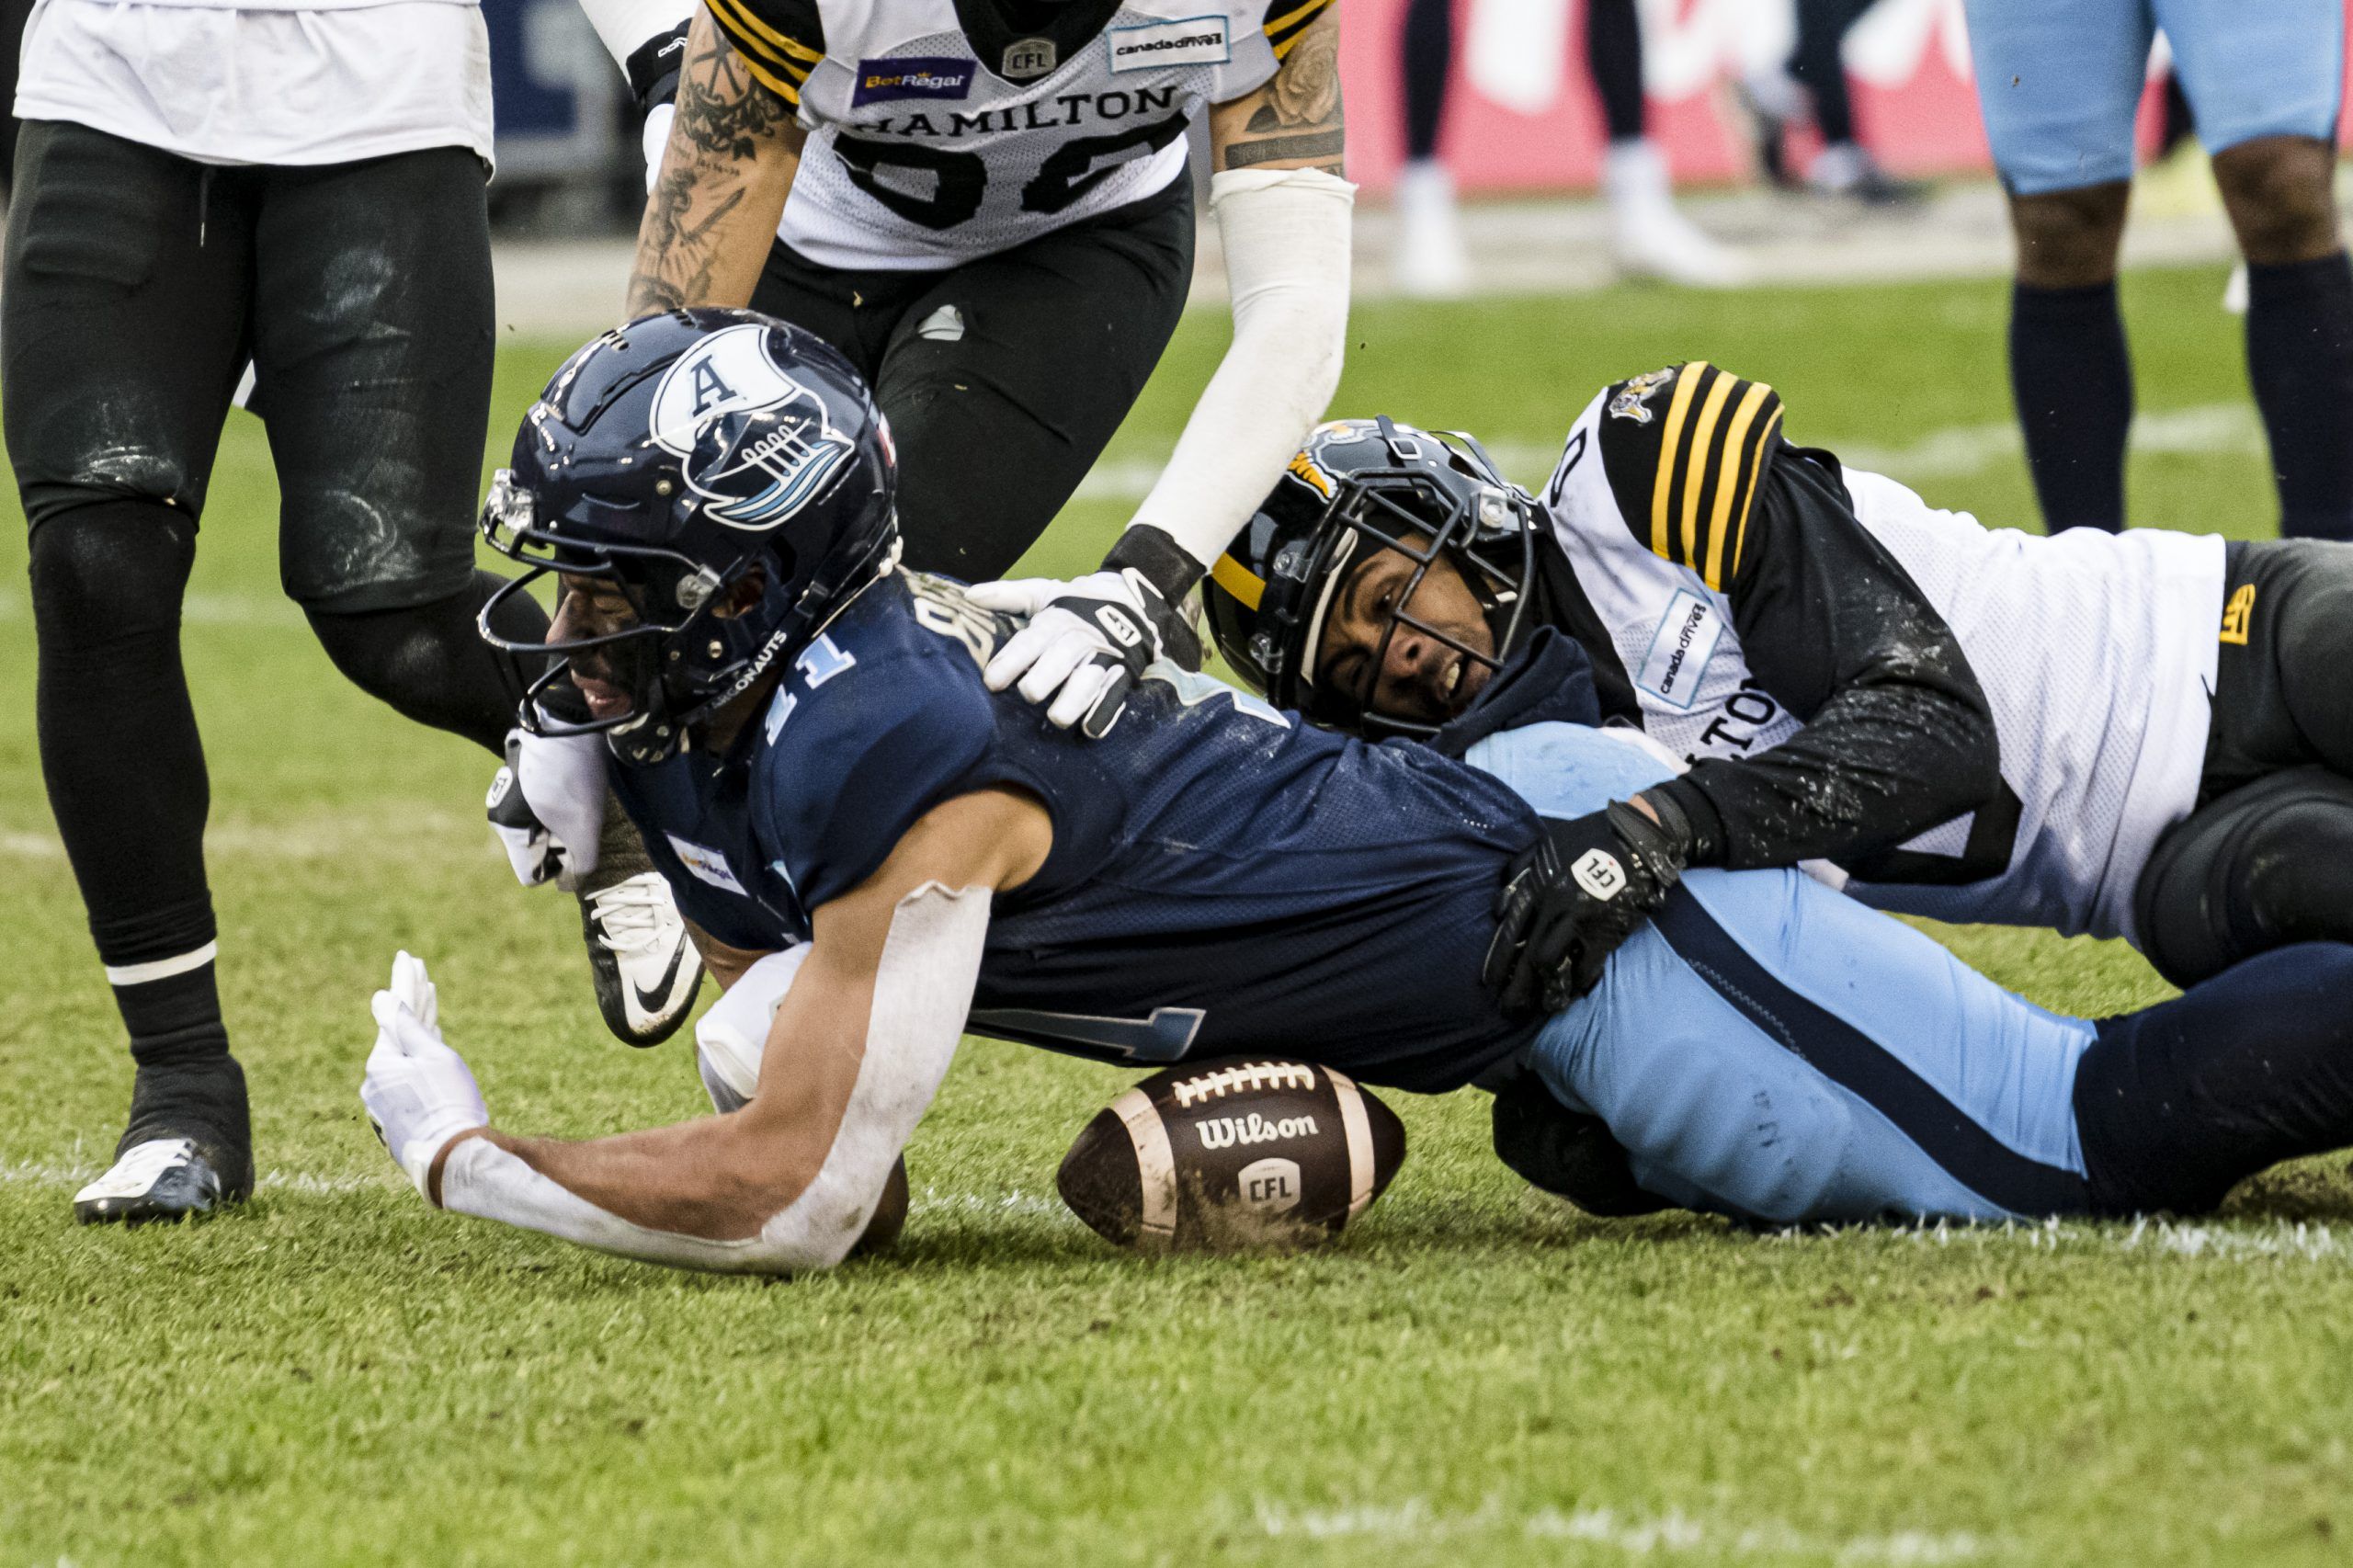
(1613, 54)
(2178, 1103)
(2267, 865)
(429, 662)
(2299, 356)
(2073, 378)
(1426, 48)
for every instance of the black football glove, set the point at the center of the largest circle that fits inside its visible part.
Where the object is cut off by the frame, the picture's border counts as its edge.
(1583, 887)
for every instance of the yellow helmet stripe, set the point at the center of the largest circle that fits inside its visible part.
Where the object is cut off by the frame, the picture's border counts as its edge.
(1756, 462)
(1686, 382)
(1238, 580)
(1695, 467)
(1728, 484)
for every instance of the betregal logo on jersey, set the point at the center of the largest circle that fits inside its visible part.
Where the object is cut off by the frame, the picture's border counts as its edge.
(885, 80)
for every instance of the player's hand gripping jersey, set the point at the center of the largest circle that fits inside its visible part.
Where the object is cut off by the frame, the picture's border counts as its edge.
(1749, 589)
(1224, 878)
(944, 129)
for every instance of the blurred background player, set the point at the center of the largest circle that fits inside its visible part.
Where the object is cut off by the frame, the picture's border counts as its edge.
(1811, 84)
(1648, 235)
(196, 186)
(2060, 86)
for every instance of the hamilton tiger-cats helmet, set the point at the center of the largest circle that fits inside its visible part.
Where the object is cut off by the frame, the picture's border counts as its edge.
(1358, 486)
(679, 457)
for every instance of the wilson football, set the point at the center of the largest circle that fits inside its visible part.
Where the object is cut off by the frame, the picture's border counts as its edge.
(1232, 1154)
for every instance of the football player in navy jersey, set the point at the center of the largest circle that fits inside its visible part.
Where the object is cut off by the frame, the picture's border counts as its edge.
(879, 848)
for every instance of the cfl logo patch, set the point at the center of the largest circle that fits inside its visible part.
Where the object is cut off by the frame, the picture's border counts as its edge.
(1599, 872)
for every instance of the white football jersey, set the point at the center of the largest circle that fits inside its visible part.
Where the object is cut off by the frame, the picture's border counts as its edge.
(939, 134)
(2096, 651)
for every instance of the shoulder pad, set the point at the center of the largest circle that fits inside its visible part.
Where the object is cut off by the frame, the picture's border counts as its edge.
(1683, 449)
(780, 42)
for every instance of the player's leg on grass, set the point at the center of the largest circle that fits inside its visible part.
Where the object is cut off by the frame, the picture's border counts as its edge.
(2178, 1103)
(1019, 366)
(123, 316)
(1429, 261)
(2059, 86)
(374, 337)
(2265, 83)
(2266, 858)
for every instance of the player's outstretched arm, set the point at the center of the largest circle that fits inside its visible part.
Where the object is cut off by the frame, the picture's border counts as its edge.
(1283, 212)
(859, 1046)
(725, 172)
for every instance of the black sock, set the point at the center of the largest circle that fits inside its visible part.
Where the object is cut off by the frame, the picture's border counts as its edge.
(430, 661)
(188, 1085)
(127, 783)
(2299, 356)
(1427, 55)
(2072, 376)
(1613, 54)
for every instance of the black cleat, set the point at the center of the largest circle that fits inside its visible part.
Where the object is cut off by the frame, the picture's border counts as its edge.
(162, 1178)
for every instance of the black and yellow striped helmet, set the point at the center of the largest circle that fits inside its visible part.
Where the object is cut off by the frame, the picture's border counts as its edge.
(1358, 486)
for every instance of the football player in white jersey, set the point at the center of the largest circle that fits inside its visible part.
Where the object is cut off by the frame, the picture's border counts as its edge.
(985, 205)
(2147, 735)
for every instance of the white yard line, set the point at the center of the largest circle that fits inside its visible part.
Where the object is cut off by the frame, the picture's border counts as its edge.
(2292, 1241)
(1632, 1534)
(1953, 451)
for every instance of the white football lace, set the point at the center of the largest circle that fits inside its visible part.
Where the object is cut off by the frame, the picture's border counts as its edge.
(147, 1162)
(634, 914)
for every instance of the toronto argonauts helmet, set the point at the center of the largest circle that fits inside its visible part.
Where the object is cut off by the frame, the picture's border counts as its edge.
(688, 458)
(1359, 487)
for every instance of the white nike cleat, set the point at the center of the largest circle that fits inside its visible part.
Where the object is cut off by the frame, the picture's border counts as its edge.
(1648, 236)
(1430, 261)
(163, 1178)
(645, 967)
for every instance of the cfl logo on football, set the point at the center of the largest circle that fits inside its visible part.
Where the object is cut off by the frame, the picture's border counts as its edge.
(1225, 1131)
(1271, 1184)
(1599, 872)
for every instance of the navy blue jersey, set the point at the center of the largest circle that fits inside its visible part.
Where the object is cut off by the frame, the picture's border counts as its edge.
(1224, 878)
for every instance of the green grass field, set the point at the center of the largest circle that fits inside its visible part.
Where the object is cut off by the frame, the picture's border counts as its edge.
(1475, 1374)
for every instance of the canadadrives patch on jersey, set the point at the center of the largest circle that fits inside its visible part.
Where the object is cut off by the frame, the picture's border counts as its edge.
(756, 445)
(1196, 41)
(1684, 450)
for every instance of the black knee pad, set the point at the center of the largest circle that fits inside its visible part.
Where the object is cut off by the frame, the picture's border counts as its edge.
(2265, 865)
(110, 571)
(430, 661)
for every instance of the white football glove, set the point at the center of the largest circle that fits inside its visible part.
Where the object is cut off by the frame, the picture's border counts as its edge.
(1088, 642)
(418, 1092)
(547, 805)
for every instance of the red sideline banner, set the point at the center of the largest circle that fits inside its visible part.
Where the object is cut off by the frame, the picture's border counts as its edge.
(1521, 115)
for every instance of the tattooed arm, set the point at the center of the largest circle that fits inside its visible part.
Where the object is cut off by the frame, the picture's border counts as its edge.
(1292, 122)
(732, 152)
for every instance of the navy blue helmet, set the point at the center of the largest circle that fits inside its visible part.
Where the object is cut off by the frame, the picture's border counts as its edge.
(695, 458)
(1357, 487)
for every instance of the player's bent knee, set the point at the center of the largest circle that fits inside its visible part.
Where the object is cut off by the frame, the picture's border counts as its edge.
(2279, 194)
(2068, 239)
(112, 570)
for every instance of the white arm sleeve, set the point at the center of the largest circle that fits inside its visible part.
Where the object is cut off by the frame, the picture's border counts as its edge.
(923, 986)
(624, 25)
(1286, 233)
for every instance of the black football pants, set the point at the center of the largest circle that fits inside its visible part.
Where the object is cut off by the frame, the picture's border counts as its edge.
(1003, 379)
(2267, 857)
(137, 286)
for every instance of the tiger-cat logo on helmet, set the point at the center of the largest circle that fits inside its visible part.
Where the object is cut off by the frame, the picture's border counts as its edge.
(756, 445)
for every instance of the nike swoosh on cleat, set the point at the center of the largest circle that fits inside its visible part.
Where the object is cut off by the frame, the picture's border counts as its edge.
(649, 1005)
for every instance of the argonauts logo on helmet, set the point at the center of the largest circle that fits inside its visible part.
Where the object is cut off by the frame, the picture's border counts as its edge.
(756, 444)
